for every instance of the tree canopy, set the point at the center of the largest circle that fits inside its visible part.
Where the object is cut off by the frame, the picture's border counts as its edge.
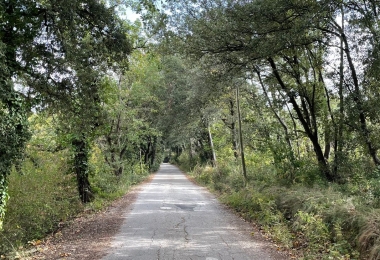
(286, 85)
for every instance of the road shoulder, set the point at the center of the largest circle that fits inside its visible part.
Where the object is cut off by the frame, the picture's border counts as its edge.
(88, 236)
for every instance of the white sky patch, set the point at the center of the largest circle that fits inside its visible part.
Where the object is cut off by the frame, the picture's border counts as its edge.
(130, 15)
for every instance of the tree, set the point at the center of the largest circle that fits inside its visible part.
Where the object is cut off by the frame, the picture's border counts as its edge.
(296, 37)
(13, 114)
(133, 114)
(42, 41)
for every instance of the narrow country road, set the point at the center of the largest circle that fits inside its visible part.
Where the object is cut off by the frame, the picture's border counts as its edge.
(175, 219)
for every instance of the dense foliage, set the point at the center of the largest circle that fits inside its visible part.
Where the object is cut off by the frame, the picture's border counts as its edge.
(62, 112)
(307, 72)
(274, 104)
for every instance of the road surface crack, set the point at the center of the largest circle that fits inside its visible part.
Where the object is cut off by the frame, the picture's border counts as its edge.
(154, 234)
(181, 222)
(224, 241)
(186, 234)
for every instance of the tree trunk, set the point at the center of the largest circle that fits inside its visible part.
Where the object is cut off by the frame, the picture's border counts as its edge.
(306, 123)
(322, 162)
(153, 152)
(81, 169)
(233, 129)
(338, 142)
(141, 163)
(372, 149)
(241, 137)
(279, 119)
(214, 164)
(3, 197)
(205, 147)
(16, 131)
(146, 152)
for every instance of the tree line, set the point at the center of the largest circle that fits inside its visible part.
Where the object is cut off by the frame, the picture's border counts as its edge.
(310, 67)
(290, 86)
(286, 94)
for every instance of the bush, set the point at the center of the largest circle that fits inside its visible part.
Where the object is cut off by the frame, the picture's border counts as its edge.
(44, 194)
(203, 174)
(256, 206)
(106, 185)
(41, 197)
(317, 221)
(184, 162)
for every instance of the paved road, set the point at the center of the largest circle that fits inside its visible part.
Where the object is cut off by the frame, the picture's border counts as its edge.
(174, 219)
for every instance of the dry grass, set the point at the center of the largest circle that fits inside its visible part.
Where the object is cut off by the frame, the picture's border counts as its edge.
(369, 239)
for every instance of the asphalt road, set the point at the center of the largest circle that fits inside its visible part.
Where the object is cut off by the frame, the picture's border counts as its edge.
(175, 219)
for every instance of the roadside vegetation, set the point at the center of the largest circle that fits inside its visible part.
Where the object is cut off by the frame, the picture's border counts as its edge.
(43, 191)
(78, 114)
(44, 199)
(311, 221)
(272, 104)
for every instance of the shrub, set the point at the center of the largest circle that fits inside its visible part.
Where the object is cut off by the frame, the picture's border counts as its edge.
(106, 185)
(319, 222)
(256, 206)
(203, 174)
(318, 219)
(314, 232)
(40, 198)
(45, 194)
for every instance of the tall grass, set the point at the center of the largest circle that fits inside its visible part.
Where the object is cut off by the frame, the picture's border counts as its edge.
(314, 219)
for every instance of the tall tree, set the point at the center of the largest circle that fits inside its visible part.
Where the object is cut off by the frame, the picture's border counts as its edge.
(42, 42)
(242, 35)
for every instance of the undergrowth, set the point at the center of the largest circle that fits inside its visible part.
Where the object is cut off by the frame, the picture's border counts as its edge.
(320, 221)
(43, 195)
(106, 186)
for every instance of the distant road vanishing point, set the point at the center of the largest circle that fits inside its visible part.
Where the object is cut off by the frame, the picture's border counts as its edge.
(175, 219)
